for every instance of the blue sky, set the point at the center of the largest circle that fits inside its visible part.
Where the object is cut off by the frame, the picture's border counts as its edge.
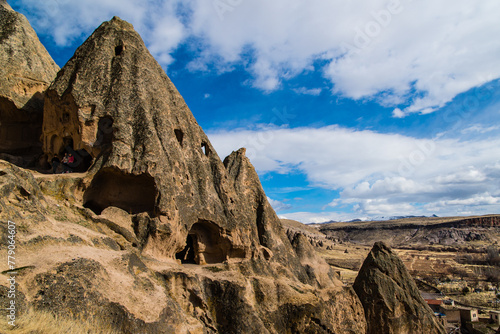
(348, 109)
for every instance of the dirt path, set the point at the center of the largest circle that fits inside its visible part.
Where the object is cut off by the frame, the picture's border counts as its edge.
(38, 175)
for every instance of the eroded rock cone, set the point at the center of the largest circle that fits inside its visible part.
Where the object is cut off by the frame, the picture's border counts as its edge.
(390, 297)
(157, 182)
(26, 70)
(113, 101)
(126, 243)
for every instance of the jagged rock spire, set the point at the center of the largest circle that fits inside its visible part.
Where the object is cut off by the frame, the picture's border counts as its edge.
(390, 297)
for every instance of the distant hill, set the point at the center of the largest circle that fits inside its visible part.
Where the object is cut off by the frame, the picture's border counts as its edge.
(417, 231)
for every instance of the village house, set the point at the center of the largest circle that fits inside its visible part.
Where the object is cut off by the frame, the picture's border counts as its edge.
(495, 317)
(434, 304)
(452, 314)
(469, 314)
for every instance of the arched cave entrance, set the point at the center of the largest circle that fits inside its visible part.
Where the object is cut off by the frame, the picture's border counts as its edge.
(132, 193)
(204, 244)
(82, 160)
(187, 255)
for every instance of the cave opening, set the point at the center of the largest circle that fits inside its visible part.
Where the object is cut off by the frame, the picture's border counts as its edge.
(205, 149)
(118, 50)
(132, 193)
(204, 245)
(80, 161)
(179, 135)
(187, 255)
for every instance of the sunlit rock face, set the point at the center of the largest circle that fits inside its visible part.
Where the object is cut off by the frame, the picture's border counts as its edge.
(114, 101)
(157, 234)
(26, 70)
(390, 297)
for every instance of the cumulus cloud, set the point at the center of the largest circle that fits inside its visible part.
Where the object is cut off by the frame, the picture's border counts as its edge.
(308, 91)
(378, 174)
(398, 113)
(278, 205)
(413, 55)
(68, 22)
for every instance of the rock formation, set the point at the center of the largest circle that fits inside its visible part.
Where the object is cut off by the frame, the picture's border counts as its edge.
(114, 101)
(390, 297)
(159, 235)
(26, 69)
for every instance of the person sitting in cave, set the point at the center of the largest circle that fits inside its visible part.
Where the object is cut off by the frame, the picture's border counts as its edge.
(65, 163)
(55, 164)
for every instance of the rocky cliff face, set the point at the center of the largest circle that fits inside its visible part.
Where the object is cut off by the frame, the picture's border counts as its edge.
(113, 101)
(390, 297)
(159, 235)
(26, 70)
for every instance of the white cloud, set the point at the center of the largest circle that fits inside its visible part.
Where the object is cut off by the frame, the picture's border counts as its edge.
(72, 21)
(278, 205)
(398, 52)
(308, 91)
(478, 128)
(482, 203)
(472, 175)
(321, 217)
(398, 113)
(485, 199)
(379, 174)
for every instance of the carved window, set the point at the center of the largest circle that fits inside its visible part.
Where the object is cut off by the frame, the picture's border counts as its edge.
(118, 50)
(205, 149)
(179, 135)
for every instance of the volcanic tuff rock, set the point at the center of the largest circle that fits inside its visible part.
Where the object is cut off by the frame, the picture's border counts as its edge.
(113, 100)
(26, 70)
(159, 236)
(390, 297)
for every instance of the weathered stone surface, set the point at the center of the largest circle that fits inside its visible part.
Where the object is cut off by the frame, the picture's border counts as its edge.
(75, 289)
(390, 297)
(26, 69)
(158, 189)
(130, 293)
(20, 196)
(114, 100)
(316, 267)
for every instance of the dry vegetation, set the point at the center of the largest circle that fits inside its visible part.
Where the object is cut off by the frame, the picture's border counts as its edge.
(36, 322)
(480, 299)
